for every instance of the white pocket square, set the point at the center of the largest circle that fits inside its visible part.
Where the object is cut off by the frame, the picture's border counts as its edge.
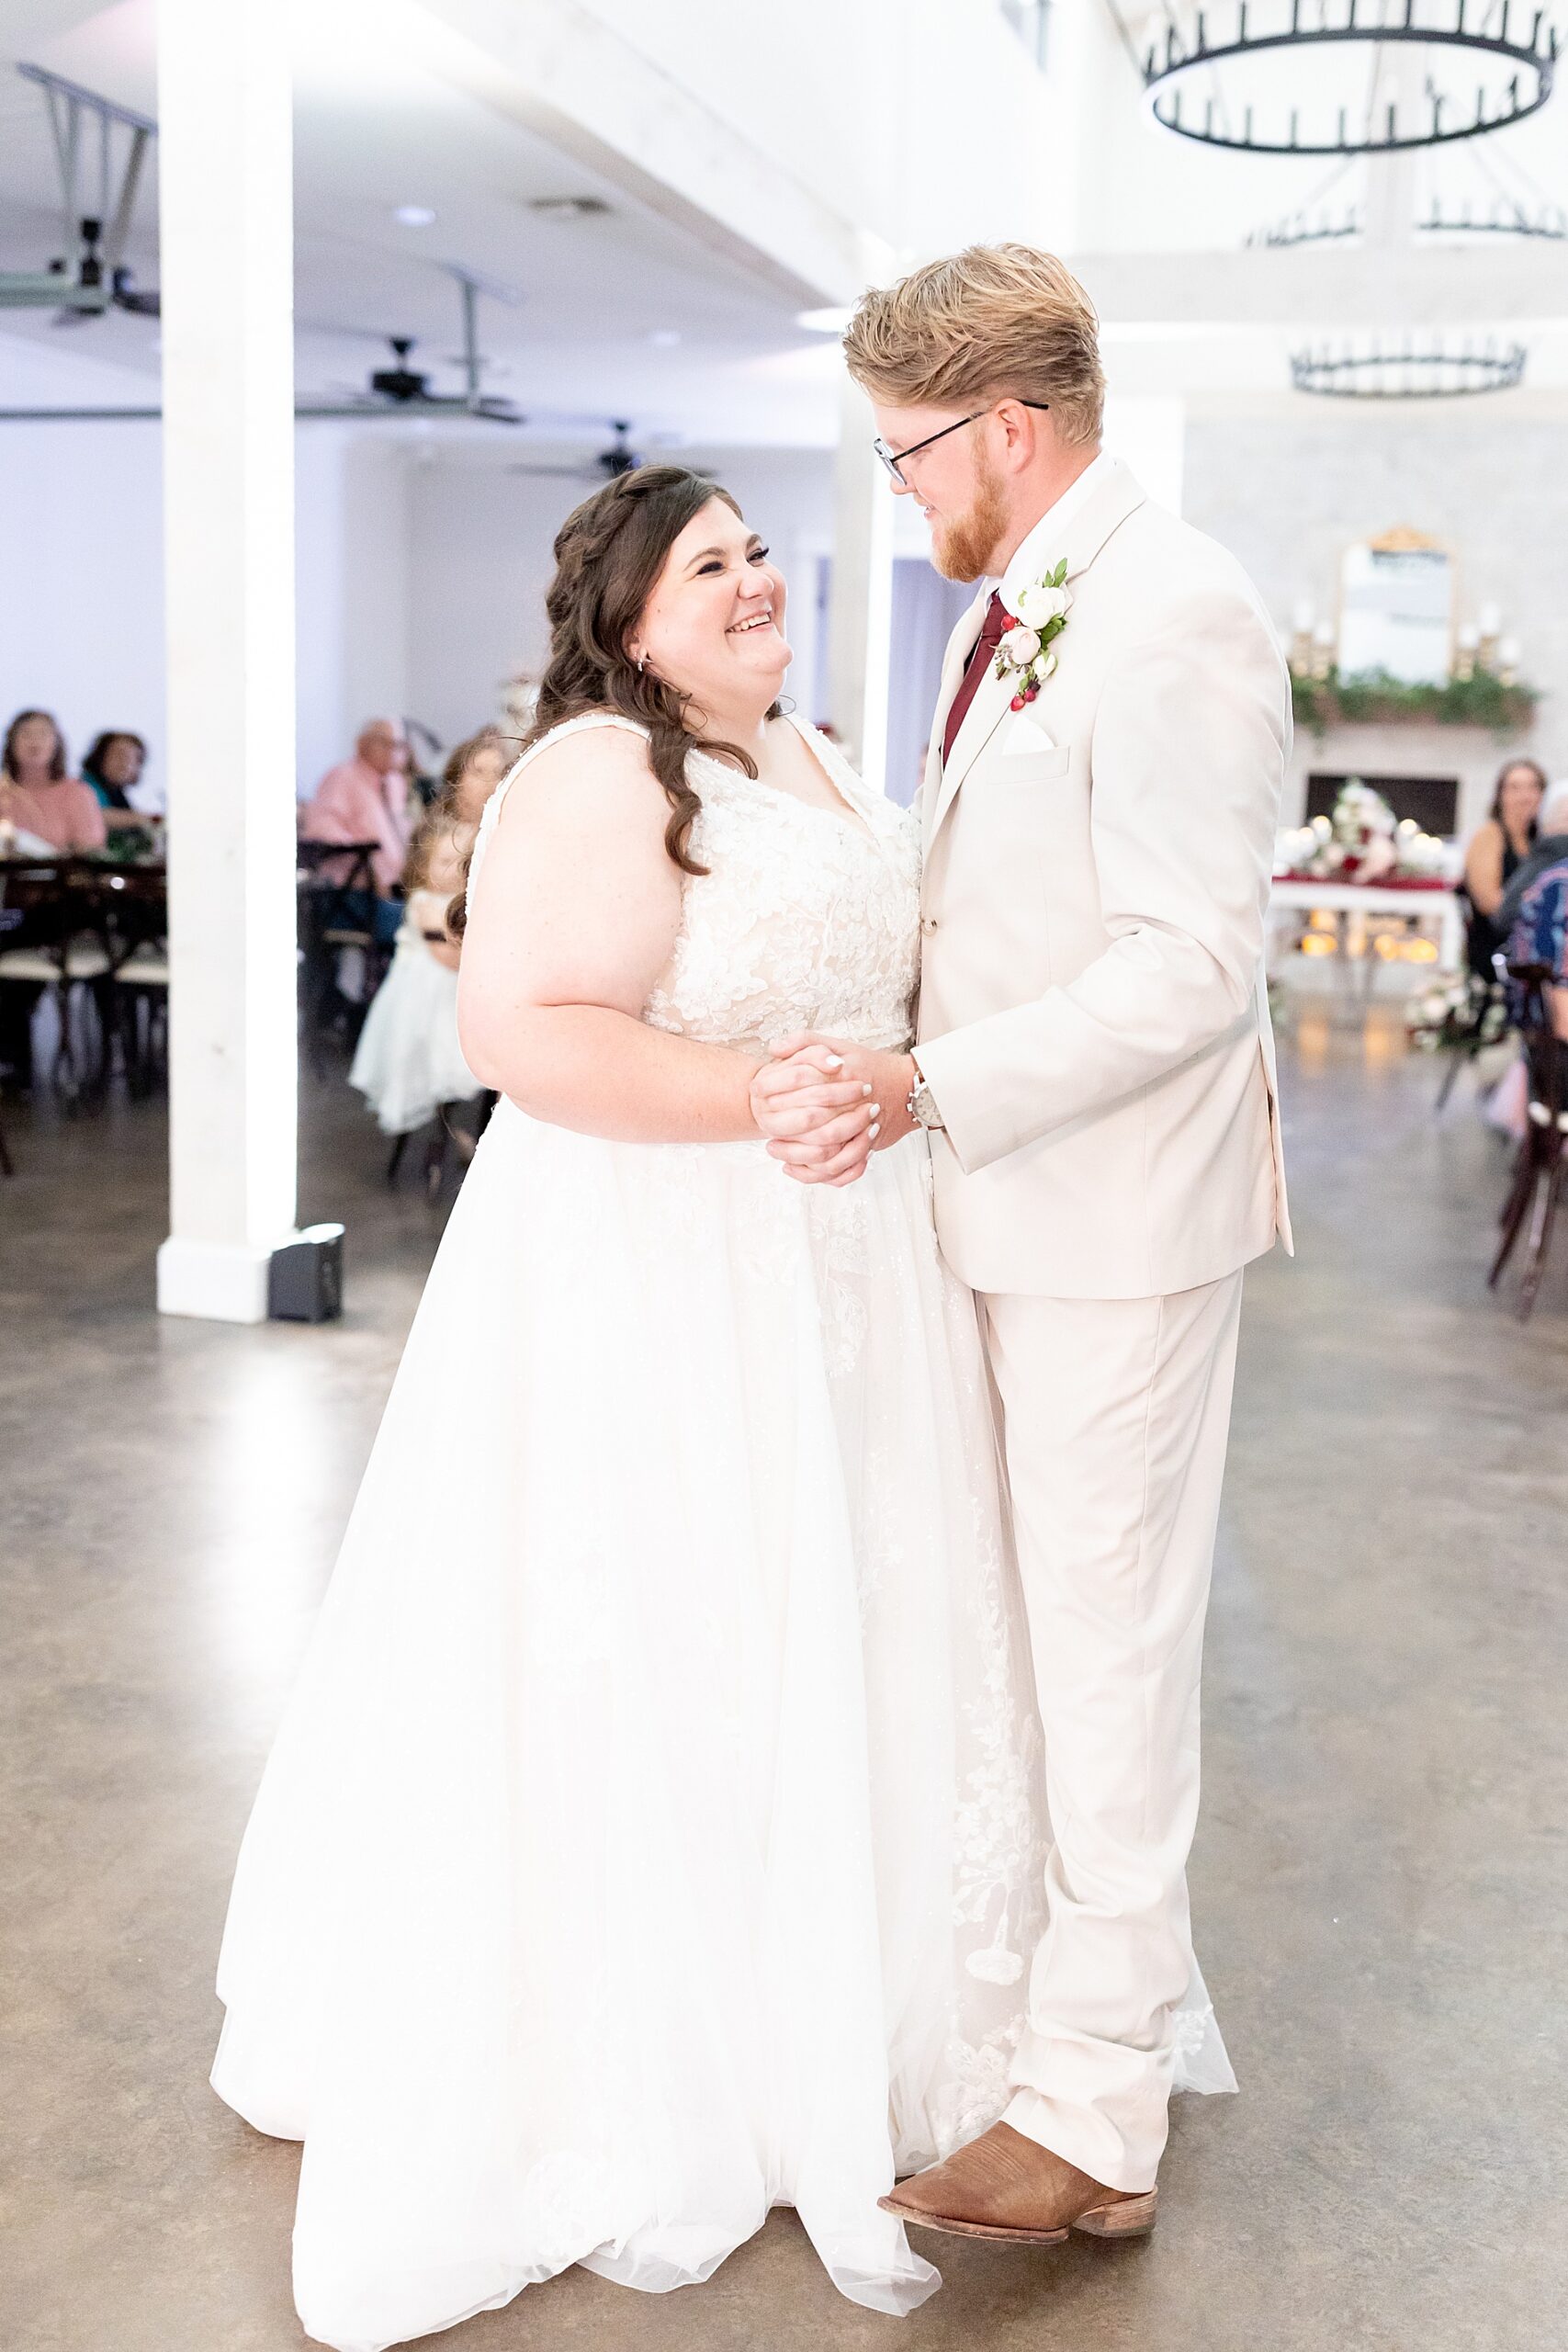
(1025, 734)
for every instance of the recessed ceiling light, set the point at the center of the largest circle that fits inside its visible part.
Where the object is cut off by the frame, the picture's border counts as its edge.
(665, 338)
(415, 216)
(568, 208)
(832, 321)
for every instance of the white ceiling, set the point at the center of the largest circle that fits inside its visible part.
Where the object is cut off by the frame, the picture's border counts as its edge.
(375, 130)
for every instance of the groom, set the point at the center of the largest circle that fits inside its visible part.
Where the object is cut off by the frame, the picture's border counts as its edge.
(1096, 1070)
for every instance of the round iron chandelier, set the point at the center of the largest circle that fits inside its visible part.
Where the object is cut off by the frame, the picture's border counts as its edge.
(1432, 370)
(1291, 32)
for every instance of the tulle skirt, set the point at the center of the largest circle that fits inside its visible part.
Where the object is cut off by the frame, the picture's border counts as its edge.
(408, 1060)
(656, 1832)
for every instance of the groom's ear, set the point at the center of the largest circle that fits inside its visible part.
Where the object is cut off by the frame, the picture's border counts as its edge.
(1026, 429)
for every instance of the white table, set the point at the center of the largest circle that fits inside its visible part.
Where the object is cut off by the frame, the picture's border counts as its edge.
(1290, 895)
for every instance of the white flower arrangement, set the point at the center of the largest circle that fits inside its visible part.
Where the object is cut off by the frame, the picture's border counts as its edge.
(1026, 653)
(1361, 843)
(1457, 1009)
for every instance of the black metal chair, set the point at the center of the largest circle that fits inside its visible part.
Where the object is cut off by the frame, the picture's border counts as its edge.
(1539, 1172)
(137, 930)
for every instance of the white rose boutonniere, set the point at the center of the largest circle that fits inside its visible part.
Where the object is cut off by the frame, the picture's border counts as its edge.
(1026, 653)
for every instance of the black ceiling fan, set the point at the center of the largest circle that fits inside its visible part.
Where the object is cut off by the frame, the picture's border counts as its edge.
(604, 465)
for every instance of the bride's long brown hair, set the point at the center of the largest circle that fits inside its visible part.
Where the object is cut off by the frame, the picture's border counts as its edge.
(609, 553)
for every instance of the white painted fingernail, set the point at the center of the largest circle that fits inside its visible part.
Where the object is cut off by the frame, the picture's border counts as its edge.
(865, 1089)
(835, 1061)
(876, 1126)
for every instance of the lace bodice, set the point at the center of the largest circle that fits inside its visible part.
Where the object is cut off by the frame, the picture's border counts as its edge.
(805, 919)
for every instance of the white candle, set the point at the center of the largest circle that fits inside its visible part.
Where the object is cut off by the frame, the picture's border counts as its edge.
(1508, 652)
(1491, 620)
(1469, 636)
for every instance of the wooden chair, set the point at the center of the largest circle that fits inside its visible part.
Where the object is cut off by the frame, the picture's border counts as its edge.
(59, 949)
(336, 880)
(1542, 1163)
(441, 1132)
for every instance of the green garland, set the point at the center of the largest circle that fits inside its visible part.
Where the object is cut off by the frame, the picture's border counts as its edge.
(1374, 699)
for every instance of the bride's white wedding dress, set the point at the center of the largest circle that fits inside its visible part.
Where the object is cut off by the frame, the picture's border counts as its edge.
(655, 1834)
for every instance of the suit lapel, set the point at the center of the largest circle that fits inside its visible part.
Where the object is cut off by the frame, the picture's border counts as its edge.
(959, 645)
(993, 697)
(1083, 535)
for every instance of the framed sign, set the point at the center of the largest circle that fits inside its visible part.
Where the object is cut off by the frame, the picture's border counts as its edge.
(1397, 609)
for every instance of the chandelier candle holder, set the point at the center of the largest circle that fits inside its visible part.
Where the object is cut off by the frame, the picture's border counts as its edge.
(1297, 229)
(1252, 75)
(1437, 369)
(1506, 219)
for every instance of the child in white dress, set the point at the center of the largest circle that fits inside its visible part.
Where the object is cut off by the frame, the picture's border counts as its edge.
(409, 1061)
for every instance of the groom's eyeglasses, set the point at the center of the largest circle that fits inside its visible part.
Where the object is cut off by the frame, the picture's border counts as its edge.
(895, 460)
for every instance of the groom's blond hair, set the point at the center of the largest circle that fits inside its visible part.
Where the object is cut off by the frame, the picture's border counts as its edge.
(991, 320)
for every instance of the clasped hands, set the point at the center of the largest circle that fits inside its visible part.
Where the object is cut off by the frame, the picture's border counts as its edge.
(826, 1106)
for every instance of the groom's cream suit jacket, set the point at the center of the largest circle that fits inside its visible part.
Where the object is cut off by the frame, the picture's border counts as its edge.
(1093, 1015)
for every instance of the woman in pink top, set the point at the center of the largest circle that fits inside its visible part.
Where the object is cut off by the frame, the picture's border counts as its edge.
(36, 793)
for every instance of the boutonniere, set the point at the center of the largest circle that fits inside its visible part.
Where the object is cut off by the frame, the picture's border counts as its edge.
(1027, 653)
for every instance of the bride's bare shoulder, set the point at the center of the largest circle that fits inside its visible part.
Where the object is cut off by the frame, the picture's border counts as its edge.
(586, 778)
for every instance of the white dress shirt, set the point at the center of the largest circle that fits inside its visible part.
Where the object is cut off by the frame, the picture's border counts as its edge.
(1038, 552)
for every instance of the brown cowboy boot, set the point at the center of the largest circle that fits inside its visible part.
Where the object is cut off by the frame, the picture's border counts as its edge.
(1003, 2186)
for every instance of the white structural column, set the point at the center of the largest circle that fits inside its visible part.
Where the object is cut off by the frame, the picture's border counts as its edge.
(225, 166)
(860, 607)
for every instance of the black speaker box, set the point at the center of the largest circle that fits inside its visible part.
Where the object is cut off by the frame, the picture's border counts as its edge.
(305, 1277)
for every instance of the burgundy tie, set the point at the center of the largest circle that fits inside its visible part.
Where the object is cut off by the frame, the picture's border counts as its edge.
(995, 627)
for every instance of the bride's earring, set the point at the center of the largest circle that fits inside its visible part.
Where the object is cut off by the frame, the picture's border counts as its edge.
(642, 665)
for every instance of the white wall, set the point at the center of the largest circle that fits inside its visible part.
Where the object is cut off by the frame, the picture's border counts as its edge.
(1287, 490)
(480, 559)
(81, 580)
(351, 509)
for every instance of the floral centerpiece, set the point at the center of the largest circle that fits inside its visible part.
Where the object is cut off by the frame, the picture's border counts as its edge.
(1458, 1010)
(1362, 842)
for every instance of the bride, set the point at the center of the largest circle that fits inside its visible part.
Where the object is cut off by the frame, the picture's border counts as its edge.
(654, 1837)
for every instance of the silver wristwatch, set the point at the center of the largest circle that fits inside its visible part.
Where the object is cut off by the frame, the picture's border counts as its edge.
(922, 1104)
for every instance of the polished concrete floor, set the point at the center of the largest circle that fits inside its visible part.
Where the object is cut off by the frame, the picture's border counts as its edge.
(1381, 1884)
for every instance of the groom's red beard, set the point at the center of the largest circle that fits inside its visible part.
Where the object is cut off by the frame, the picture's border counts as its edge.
(962, 547)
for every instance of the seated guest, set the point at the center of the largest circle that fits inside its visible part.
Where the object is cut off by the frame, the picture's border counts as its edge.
(365, 800)
(36, 794)
(408, 1061)
(1494, 856)
(1539, 932)
(1551, 849)
(113, 770)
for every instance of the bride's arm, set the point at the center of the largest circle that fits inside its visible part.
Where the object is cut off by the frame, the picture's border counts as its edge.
(575, 915)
